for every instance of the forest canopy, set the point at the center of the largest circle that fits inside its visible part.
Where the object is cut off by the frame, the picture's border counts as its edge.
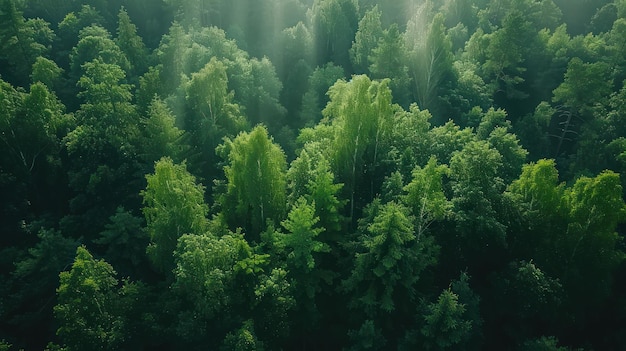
(312, 174)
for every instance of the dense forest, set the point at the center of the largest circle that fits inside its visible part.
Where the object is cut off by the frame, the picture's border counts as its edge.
(312, 175)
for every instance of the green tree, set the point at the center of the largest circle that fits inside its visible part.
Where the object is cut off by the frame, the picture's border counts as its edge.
(34, 280)
(527, 298)
(131, 44)
(425, 196)
(570, 232)
(160, 136)
(21, 41)
(125, 240)
(31, 126)
(584, 86)
(87, 305)
(300, 240)
(366, 40)
(334, 24)
(102, 150)
(595, 209)
(173, 206)
(324, 192)
(445, 326)
(388, 60)
(506, 52)
(214, 284)
(410, 138)
(477, 199)
(495, 128)
(256, 189)
(303, 251)
(170, 54)
(243, 339)
(213, 115)
(430, 58)
(47, 72)
(361, 111)
(315, 99)
(95, 43)
(388, 263)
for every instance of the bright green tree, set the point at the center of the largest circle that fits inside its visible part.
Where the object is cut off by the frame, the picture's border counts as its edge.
(425, 196)
(256, 189)
(213, 115)
(102, 148)
(361, 112)
(173, 206)
(46, 71)
(243, 339)
(214, 283)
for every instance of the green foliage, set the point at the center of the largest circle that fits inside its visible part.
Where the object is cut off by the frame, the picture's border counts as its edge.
(477, 199)
(388, 61)
(585, 85)
(31, 126)
(367, 337)
(173, 206)
(46, 71)
(334, 24)
(160, 136)
(131, 44)
(243, 339)
(95, 43)
(300, 237)
(125, 240)
(212, 277)
(256, 189)
(389, 262)
(425, 197)
(430, 58)
(366, 40)
(445, 326)
(21, 40)
(86, 308)
(549, 343)
(315, 98)
(361, 112)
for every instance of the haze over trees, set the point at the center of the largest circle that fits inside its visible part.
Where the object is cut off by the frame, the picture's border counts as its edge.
(312, 174)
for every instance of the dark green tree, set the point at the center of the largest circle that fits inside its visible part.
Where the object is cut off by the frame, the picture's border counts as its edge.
(445, 324)
(388, 263)
(334, 24)
(131, 44)
(87, 305)
(21, 41)
(366, 40)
